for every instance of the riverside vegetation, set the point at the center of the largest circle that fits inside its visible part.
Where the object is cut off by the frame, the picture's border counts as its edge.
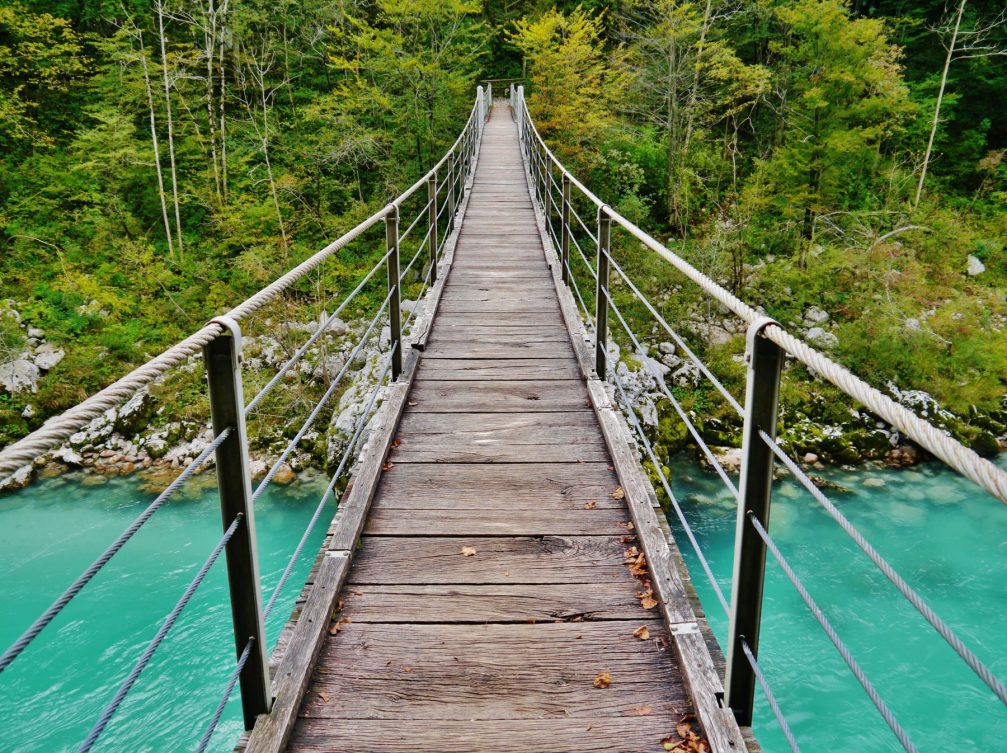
(839, 163)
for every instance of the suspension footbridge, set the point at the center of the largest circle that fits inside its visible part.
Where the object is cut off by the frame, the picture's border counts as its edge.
(499, 574)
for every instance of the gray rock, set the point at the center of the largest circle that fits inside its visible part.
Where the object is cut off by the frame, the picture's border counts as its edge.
(47, 356)
(821, 339)
(36, 332)
(686, 375)
(29, 411)
(134, 416)
(19, 376)
(815, 315)
(19, 479)
(667, 348)
(69, 457)
(974, 266)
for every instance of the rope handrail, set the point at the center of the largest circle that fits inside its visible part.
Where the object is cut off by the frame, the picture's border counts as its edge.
(59, 428)
(953, 453)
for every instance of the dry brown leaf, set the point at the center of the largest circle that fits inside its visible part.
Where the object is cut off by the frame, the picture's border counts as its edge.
(324, 696)
(396, 443)
(603, 680)
(407, 669)
(619, 493)
(629, 525)
(590, 505)
(630, 555)
(388, 466)
(337, 626)
(642, 711)
(468, 551)
(412, 403)
(589, 728)
(642, 632)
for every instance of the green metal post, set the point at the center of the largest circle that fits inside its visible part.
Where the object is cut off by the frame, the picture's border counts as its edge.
(565, 240)
(432, 221)
(395, 288)
(601, 297)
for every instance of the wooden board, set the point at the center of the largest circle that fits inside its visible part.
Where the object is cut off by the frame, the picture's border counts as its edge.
(499, 396)
(531, 559)
(502, 604)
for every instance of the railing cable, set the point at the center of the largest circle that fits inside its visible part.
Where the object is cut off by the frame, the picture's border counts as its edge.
(966, 655)
(865, 683)
(773, 704)
(167, 625)
(204, 741)
(95, 567)
(631, 414)
(321, 403)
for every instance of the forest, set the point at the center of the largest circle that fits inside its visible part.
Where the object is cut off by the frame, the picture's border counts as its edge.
(840, 164)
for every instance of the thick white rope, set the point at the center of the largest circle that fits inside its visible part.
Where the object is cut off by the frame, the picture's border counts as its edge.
(951, 451)
(58, 429)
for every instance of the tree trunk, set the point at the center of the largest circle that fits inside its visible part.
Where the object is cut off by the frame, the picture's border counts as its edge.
(171, 127)
(937, 107)
(157, 149)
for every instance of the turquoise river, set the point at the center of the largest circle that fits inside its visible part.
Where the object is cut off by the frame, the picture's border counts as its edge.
(947, 538)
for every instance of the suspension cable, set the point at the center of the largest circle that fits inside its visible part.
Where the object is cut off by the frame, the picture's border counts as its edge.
(318, 333)
(844, 652)
(166, 626)
(95, 567)
(321, 403)
(982, 671)
(631, 413)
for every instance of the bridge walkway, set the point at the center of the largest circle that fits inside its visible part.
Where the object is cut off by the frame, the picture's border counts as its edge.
(490, 589)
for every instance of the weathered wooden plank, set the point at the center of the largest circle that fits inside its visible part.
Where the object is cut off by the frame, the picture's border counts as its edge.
(442, 672)
(464, 369)
(568, 602)
(451, 306)
(552, 332)
(514, 522)
(540, 559)
(539, 486)
(478, 349)
(498, 396)
(549, 735)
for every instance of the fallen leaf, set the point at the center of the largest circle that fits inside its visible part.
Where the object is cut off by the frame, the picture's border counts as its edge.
(642, 632)
(618, 493)
(324, 696)
(642, 711)
(603, 680)
(388, 466)
(468, 551)
(396, 443)
(337, 626)
(407, 669)
(589, 728)
(590, 505)
(648, 602)
(412, 402)
(629, 525)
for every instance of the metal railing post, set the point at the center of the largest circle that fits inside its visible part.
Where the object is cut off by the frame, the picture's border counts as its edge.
(451, 193)
(565, 240)
(395, 289)
(765, 362)
(601, 296)
(520, 113)
(222, 357)
(432, 222)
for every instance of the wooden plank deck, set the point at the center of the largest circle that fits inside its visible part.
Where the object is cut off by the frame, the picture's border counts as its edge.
(491, 585)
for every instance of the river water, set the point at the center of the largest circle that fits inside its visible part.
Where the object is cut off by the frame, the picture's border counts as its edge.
(945, 537)
(55, 691)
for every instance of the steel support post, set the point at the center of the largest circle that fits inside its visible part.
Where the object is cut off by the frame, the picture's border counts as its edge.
(222, 357)
(432, 222)
(451, 193)
(565, 240)
(601, 292)
(765, 362)
(395, 289)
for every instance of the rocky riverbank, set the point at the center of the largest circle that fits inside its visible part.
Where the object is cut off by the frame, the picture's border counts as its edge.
(147, 436)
